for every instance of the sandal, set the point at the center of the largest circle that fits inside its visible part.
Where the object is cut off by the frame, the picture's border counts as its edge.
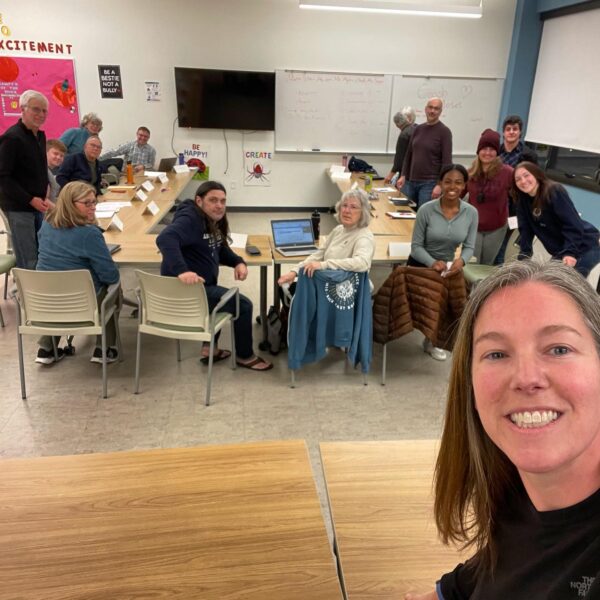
(220, 355)
(255, 362)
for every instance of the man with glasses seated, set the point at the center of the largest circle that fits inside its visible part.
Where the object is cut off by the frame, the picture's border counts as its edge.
(24, 177)
(83, 166)
(141, 154)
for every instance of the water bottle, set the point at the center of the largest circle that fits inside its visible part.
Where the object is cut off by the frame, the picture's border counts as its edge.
(129, 172)
(315, 219)
(181, 161)
(368, 184)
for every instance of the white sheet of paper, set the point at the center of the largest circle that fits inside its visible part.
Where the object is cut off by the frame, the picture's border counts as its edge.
(401, 215)
(341, 176)
(114, 206)
(162, 177)
(337, 169)
(152, 174)
(139, 195)
(104, 214)
(147, 185)
(181, 169)
(383, 189)
(512, 222)
(239, 240)
(399, 249)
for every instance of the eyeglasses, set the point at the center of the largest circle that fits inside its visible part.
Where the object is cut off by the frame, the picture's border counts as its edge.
(36, 110)
(95, 146)
(350, 207)
(87, 203)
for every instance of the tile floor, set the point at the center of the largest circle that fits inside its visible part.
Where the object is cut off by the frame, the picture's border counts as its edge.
(65, 413)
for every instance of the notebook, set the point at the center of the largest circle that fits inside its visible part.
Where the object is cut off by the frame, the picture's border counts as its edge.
(166, 164)
(293, 237)
(112, 248)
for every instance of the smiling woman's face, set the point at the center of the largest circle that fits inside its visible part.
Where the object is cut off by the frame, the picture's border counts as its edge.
(536, 378)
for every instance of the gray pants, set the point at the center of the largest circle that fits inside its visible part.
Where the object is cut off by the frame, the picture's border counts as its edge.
(487, 245)
(45, 341)
(23, 228)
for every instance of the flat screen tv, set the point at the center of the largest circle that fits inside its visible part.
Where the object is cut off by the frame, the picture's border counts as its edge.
(217, 99)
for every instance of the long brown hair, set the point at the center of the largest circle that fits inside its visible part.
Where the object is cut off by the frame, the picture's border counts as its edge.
(473, 477)
(220, 228)
(476, 171)
(65, 213)
(545, 187)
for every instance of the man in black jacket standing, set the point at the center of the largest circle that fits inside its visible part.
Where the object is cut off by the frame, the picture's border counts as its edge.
(24, 177)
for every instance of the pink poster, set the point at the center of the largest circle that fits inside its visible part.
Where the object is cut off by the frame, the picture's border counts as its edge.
(53, 77)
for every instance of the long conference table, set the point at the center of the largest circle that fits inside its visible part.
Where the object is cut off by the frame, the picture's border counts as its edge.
(381, 504)
(225, 522)
(138, 242)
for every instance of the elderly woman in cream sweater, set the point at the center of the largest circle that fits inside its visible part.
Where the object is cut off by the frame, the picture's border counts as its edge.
(349, 247)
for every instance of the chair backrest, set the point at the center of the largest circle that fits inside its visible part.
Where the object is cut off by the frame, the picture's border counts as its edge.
(56, 296)
(512, 248)
(5, 228)
(168, 302)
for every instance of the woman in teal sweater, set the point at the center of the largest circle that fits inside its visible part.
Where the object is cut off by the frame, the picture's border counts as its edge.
(70, 239)
(442, 225)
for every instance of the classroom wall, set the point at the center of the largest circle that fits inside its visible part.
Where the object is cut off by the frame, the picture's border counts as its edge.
(148, 38)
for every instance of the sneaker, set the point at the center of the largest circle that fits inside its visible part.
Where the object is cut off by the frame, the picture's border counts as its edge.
(46, 357)
(436, 353)
(112, 355)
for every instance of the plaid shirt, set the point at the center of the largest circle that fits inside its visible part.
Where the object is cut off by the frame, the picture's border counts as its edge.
(138, 155)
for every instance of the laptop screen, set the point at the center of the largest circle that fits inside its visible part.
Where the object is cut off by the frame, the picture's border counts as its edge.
(291, 232)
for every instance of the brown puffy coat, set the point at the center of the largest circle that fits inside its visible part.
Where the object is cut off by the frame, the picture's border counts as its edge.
(418, 298)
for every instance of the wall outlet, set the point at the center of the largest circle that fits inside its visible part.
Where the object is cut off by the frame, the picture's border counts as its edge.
(233, 185)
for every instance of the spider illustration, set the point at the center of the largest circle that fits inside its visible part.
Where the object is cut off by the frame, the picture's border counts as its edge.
(257, 172)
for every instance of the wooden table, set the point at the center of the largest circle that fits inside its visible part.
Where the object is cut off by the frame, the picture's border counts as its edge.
(381, 506)
(138, 243)
(381, 224)
(210, 523)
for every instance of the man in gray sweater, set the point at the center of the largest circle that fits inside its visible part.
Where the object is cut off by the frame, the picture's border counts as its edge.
(430, 148)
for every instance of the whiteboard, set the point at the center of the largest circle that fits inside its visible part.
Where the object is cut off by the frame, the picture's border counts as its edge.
(564, 102)
(470, 106)
(332, 112)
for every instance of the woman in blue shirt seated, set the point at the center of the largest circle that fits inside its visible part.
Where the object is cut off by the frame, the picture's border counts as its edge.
(70, 239)
(442, 225)
(545, 210)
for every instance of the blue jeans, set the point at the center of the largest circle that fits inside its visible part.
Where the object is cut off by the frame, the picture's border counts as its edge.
(419, 191)
(588, 261)
(23, 228)
(242, 328)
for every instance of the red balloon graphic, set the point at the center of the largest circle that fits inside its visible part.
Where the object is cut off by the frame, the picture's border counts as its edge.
(9, 70)
(63, 94)
(196, 162)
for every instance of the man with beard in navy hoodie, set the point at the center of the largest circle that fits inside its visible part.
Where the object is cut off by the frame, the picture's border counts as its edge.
(193, 247)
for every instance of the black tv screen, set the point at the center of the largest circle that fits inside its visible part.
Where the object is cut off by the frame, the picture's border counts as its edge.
(216, 99)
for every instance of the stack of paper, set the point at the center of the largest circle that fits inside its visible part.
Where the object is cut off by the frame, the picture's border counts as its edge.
(401, 215)
(238, 240)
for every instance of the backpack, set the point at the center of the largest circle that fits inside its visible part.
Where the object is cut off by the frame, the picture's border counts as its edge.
(361, 166)
(277, 322)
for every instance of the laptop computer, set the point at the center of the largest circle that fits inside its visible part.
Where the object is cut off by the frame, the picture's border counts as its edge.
(166, 164)
(293, 237)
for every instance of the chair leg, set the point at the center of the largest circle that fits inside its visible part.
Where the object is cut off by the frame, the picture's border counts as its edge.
(293, 378)
(383, 364)
(118, 334)
(365, 379)
(1, 319)
(55, 348)
(178, 350)
(233, 350)
(210, 365)
(21, 365)
(138, 355)
(104, 366)
(5, 285)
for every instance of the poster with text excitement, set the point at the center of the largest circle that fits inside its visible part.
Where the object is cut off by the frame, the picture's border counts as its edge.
(53, 77)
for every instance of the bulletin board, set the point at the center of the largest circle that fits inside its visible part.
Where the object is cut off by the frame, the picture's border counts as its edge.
(53, 77)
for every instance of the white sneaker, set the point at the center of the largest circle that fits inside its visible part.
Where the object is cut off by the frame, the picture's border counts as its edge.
(435, 353)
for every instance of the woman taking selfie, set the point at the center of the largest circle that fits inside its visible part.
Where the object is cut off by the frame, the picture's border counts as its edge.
(518, 471)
